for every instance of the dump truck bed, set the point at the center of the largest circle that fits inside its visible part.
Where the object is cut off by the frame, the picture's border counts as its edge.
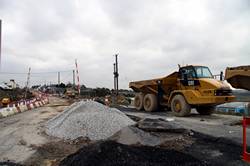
(168, 84)
(238, 77)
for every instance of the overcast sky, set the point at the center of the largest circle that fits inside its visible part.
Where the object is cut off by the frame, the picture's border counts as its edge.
(151, 37)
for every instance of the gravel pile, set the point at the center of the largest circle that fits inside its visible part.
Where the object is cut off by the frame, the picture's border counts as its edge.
(87, 119)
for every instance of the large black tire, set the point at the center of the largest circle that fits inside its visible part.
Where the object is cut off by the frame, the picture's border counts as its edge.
(205, 110)
(138, 101)
(179, 106)
(150, 103)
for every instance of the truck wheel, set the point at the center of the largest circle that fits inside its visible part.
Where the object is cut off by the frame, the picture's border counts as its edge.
(205, 110)
(150, 103)
(179, 106)
(138, 101)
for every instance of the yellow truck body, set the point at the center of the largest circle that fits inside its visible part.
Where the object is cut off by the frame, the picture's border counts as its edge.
(190, 87)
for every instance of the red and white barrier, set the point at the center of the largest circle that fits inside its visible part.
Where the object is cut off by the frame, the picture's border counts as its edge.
(23, 106)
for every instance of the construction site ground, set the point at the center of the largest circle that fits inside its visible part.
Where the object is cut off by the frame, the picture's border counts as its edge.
(217, 125)
(23, 140)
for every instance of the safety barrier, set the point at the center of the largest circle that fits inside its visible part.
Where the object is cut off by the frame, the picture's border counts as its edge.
(245, 123)
(23, 106)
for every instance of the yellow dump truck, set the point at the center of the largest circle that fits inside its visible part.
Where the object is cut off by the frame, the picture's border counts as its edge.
(238, 77)
(5, 101)
(190, 87)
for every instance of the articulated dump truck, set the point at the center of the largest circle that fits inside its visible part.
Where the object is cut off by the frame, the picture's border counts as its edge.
(190, 87)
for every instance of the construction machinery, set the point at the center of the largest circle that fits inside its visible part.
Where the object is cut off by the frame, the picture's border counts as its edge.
(238, 77)
(190, 87)
(71, 93)
(5, 101)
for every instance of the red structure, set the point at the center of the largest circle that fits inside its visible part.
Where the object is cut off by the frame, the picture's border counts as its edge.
(245, 123)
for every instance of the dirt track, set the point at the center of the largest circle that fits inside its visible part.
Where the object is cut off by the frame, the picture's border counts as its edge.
(22, 135)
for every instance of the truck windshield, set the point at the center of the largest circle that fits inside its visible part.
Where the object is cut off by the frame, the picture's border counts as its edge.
(203, 72)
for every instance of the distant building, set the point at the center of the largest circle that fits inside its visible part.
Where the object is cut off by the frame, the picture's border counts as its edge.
(4, 86)
(9, 85)
(12, 84)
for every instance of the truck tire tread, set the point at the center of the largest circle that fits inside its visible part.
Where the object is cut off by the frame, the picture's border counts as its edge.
(138, 101)
(150, 103)
(185, 107)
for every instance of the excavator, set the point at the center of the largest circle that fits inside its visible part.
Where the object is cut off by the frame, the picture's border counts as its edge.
(238, 77)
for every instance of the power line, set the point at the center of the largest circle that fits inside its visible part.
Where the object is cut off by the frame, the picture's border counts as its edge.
(66, 77)
(52, 72)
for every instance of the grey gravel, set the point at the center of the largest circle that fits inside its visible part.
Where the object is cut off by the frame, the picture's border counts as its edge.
(87, 119)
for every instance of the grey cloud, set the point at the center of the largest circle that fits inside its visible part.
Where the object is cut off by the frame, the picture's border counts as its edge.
(152, 37)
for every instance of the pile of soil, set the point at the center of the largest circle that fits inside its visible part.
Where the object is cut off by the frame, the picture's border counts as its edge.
(110, 153)
(9, 164)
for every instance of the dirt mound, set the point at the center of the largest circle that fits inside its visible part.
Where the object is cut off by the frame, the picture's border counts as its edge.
(9, 164)
(132, 135)
(110, 153)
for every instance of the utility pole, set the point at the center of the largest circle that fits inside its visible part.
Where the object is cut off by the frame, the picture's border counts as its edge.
(78, 79)
(74, 78)
(58, 77)
(114, 79)
(116, 75)
(27, 83)
(0, 44)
